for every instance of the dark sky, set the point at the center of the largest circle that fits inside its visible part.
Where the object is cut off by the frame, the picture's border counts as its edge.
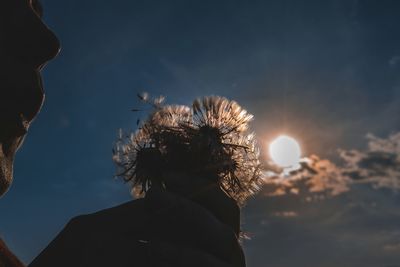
(325, 72)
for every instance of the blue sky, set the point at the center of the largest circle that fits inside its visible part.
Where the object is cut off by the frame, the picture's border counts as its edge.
(325, 72)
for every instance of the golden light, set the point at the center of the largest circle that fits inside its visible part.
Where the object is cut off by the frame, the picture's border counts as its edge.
(285, 151)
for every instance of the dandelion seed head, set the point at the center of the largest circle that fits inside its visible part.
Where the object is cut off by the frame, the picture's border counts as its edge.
(210, 137)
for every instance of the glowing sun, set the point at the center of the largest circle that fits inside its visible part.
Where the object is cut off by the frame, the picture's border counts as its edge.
(285, 151)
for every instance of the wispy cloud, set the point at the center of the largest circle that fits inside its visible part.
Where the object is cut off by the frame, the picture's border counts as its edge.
(316, 178)
(378, 165)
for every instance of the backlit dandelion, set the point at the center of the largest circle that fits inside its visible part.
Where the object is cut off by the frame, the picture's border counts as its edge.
(211, 138)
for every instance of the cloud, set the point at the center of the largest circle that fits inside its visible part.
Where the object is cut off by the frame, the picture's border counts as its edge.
(378, 165)
(392, 247)
(316, 178)
(285, 214)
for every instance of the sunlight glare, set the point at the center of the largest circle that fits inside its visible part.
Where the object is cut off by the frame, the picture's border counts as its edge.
(285, 151)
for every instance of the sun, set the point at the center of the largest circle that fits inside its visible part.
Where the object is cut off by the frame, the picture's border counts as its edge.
(285, 151)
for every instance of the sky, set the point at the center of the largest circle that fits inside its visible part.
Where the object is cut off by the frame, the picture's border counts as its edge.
(324, 72)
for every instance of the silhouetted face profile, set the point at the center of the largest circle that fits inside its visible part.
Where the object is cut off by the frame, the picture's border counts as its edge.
(26, 44)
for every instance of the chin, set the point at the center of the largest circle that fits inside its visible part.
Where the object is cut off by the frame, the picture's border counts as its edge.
(7, 155)
(6, 175)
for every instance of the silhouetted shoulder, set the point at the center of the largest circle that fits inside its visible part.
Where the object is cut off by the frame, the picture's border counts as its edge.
(110, 237)
(125, 215)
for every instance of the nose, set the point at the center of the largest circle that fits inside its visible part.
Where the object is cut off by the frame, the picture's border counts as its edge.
(31, 41)
(46, 45)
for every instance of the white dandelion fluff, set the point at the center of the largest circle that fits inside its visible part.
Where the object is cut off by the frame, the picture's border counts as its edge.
(211, 138)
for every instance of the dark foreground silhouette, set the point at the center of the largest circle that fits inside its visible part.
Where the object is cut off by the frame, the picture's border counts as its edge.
(26, 44)
(163, 229)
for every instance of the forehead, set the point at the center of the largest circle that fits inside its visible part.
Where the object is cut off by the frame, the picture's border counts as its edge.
(12, 7)
(37, 7)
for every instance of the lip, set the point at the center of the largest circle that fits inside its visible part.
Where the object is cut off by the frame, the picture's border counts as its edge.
(31, 96)
(40, 67)
(22, 100)
(16, 127)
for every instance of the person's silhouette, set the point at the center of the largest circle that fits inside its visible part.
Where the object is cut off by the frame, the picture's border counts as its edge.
(26, 44)
(191, 180)
(163, 229)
